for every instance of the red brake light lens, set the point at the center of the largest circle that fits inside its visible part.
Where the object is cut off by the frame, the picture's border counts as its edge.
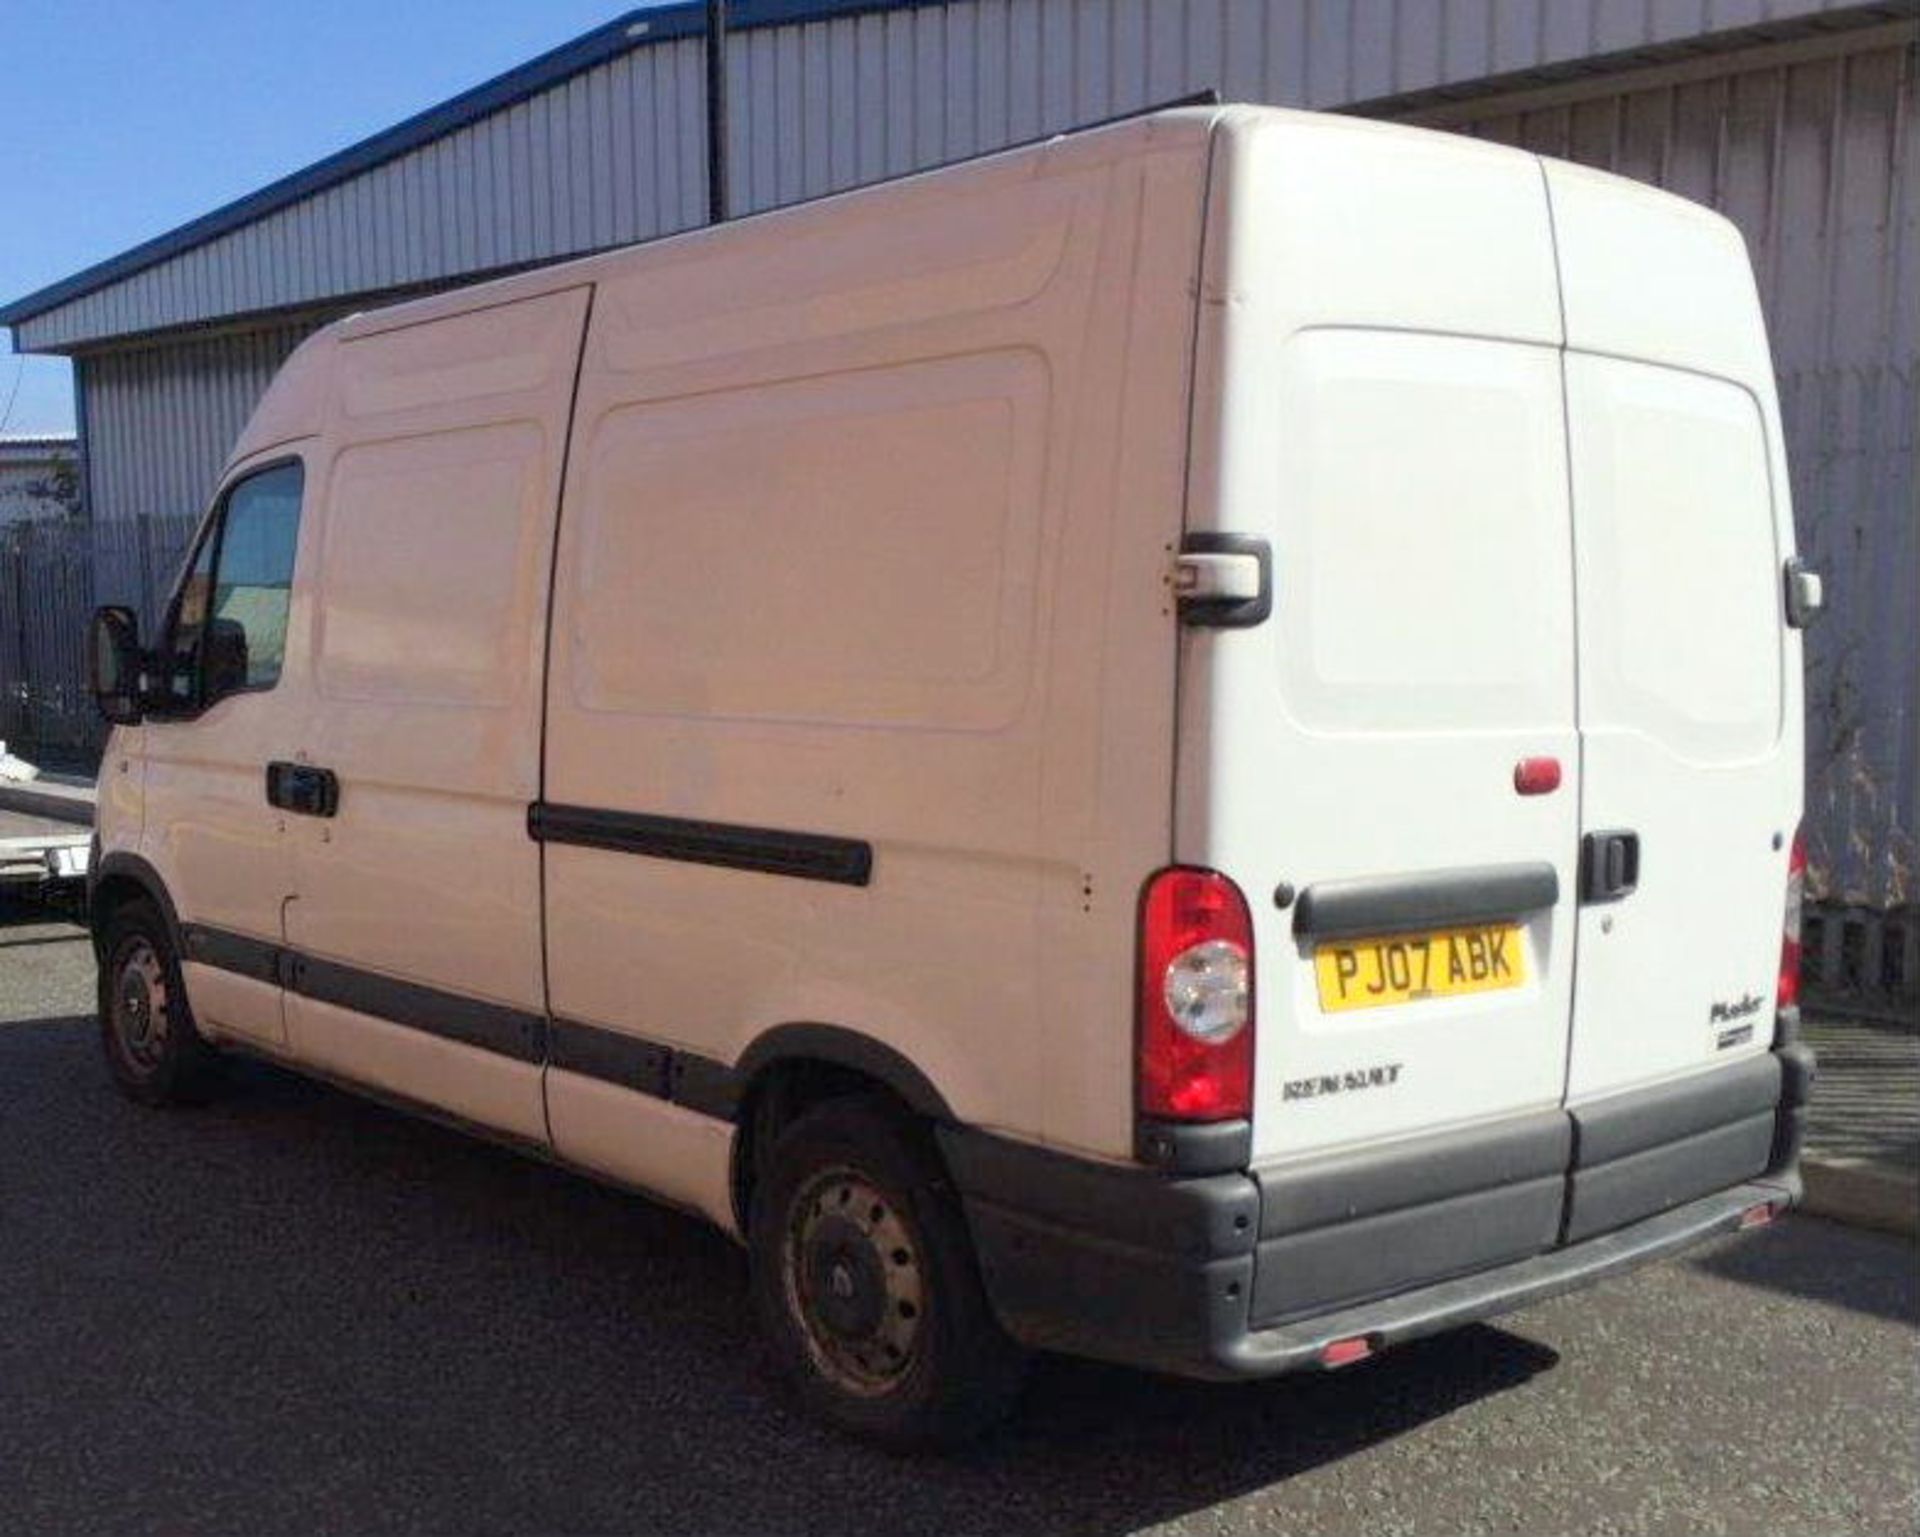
(1789, 991)
(1195, 998)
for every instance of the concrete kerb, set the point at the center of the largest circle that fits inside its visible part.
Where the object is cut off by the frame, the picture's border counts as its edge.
(1863, 1195)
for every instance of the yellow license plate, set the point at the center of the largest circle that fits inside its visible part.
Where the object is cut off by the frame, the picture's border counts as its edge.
(1404, 968)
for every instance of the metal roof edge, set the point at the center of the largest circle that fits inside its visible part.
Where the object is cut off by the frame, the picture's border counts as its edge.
(634, 29)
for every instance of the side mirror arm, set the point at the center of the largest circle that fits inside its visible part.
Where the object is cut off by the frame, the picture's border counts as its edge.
(117, 665)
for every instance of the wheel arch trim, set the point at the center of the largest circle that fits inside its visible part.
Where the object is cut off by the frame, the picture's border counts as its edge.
(838, 1046)
(122, 865)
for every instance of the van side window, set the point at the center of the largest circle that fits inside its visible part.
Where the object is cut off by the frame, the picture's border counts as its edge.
(229, 629)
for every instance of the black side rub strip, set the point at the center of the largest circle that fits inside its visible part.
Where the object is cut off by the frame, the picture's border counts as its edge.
(473, 1022)
(612, 1056)
(237, 953)
(1354, 909)
(683, 1078)
(494, 1027)
(806, 856)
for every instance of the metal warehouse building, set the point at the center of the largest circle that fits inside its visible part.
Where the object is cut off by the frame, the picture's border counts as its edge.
(1795, 117)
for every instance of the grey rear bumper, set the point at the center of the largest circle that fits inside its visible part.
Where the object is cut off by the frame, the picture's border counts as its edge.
(1250, 1274)
(1488, 1293)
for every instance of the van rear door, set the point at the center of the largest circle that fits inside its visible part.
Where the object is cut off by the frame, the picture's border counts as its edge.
(1689, 678)
(1379, 397)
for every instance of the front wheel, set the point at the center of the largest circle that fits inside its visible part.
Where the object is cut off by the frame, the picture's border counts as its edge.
(153, 1050)
(865, 1282)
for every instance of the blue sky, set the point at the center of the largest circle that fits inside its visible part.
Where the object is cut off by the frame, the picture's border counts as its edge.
(123, 120)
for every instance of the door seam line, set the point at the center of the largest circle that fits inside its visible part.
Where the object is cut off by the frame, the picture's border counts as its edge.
(1573, 591)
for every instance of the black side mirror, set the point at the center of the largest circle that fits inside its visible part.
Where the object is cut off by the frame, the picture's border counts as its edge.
(114, 664)
(224, 659)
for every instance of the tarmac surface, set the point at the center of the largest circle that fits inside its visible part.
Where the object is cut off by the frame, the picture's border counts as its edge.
(290, 1309)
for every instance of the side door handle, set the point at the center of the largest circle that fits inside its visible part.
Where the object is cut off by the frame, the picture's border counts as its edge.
(1609, 865)
(302, 788)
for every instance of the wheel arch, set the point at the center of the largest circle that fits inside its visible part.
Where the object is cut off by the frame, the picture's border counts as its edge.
(837, 1046)
(121, 877)
(790, 1068)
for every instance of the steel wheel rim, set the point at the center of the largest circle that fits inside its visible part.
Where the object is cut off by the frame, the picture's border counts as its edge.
(853, 1275)
(141, 1020)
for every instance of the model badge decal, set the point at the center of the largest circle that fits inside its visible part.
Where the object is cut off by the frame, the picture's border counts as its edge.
(1342, 1083)
(1738, 1036)
(1726, 1013)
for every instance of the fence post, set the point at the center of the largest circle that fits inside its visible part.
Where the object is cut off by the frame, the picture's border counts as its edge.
(146, 572)
(10, 716)
(24, 536)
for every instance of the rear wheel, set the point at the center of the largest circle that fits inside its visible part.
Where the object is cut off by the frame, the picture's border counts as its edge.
(865, 1281)
(154, 1052)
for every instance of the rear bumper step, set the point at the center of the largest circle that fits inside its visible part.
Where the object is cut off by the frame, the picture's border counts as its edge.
(1489, 1293)
(1233, 1275)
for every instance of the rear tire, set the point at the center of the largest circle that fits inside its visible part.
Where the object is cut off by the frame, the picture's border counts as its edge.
(866, 1286)
(154, 1050)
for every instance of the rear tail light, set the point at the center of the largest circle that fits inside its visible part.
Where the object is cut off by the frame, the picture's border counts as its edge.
(1196, 998)
(1789, 991)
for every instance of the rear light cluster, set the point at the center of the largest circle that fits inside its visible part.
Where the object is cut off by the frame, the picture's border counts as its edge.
(1196, 998)
(1789, 991)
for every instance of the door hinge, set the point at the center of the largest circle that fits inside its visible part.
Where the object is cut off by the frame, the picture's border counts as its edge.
(1223, 581)
(1806, 594)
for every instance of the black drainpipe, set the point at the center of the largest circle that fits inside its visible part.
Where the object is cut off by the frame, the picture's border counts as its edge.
(716, 111)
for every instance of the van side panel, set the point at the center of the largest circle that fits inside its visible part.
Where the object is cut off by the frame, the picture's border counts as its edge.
(434, 500)
(862, 647)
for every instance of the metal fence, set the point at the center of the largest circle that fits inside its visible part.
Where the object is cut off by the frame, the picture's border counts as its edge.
(52, 574)
(1863, 961)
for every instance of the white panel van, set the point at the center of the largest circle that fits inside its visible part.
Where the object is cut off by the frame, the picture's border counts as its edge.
(1182, 744)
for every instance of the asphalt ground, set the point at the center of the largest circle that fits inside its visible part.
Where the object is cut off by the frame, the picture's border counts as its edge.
(292, 1310)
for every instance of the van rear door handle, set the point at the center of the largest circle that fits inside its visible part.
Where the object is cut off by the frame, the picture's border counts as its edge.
(1609, 865)
(302, 788)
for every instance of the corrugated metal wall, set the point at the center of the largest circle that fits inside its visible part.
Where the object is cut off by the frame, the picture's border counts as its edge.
(1819, 164)
(828, 105)
(617, 153)
(162, 418)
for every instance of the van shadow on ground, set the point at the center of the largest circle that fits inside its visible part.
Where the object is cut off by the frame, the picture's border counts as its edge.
(290, 1308)
(1845, 1268)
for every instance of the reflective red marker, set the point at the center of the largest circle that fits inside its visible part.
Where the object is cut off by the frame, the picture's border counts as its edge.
(1536, 776)
(1346, 1352)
